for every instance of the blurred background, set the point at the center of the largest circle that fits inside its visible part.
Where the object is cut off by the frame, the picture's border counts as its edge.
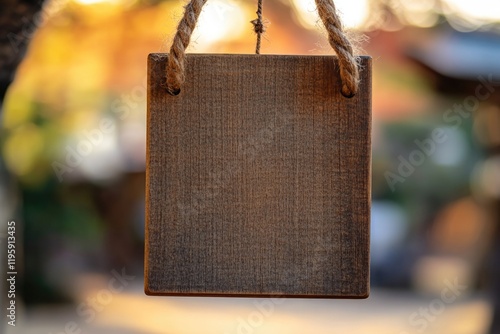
(73, 148)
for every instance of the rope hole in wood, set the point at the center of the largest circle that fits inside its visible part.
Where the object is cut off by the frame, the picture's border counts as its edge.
(349, 96)
(348, 62)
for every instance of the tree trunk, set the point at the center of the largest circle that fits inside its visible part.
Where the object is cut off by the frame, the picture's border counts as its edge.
(18, 21)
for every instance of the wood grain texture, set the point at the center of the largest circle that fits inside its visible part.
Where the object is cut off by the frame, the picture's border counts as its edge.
(258, 179)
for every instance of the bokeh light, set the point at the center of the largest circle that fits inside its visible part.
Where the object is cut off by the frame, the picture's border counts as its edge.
(353, 12)
(86, 63)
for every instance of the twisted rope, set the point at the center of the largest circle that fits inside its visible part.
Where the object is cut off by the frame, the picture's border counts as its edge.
(258, 26)
(340, 43)
(327, 12)
(177, 57)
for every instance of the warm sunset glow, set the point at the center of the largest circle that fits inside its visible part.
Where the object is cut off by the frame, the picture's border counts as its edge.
(352, 12)
(482, 10)
(219, 20)
(92, 2)
(355, 14)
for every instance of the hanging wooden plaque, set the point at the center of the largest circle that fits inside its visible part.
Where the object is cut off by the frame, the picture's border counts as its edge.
(258, 178)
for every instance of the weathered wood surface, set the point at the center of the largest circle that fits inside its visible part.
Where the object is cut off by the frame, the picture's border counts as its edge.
(258, 179)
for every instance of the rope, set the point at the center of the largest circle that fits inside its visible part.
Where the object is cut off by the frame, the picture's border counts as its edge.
(258, 26)
(340, 43)
(177, 57)
(327, 12)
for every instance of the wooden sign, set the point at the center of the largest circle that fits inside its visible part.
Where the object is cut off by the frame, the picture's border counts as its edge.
(258, 179)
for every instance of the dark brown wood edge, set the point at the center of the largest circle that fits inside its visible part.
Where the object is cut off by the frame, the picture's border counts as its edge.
(160, 57)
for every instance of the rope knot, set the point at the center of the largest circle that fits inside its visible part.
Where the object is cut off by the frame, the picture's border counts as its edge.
(258, 26)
